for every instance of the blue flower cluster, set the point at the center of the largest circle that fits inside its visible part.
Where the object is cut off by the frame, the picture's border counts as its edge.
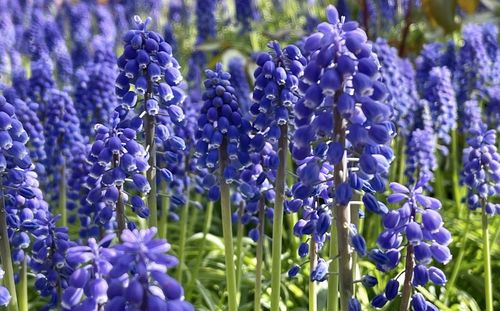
(419, 222)
(474, 67)
(220, 126)
(62, 132)
(481, 171)
(48, 258)
(149, 70)
(420, 156)
(398, 76)
(246, 12)
(440, 94)
(57, 47)
(237, 70)
(26, 112)
(80, 21)
(95, 92)
(118, 163)
(342, 74)
(128, 276)
(276, 89)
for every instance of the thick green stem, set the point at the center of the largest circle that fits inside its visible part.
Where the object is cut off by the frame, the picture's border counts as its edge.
(439, 189)
(194, 217)
(239, 250)
(457, 193)
(333, 269)
(292, 218)
(150, 129)
(206, 227)
(182, 240)
(487, 260)
(259, 254)
(458, 262)
(342, 219)
(165, 206)
(355, 221)
(313, 300)
(5, 254)
(407, 288)
(402, 159)
(62, 197)
(22, 286)
(120, 205)
(278, 218)
(227, 232)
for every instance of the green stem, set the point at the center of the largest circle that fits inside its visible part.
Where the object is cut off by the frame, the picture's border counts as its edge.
(458, 262)
(165, 206)
(455, 171)
(343, 219)
(487, 260)
(227, 231)
(407, 288)
(239, 248)
(355, 220)
(438, 184)
(313, 300)
(259, 254)
(292, 218)
(62, 197)
(150, 129)
(393, 171)
(206, 227)
(5, 254)
(22, 286)
(333, 269)
(194, 218)
(402, 158)
(278, 218)
(182, 240)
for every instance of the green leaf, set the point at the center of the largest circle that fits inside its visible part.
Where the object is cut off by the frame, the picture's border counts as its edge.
(205, 293)
(442, 13)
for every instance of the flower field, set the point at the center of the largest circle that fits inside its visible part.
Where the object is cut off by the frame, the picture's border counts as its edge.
(177, 155)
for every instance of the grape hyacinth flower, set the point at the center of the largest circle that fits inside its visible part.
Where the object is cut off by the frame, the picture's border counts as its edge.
(80, 22)
(397, 75)
(21, 201)
(481, 176)
(223, 145)
(419, 222)
(118, 163)
(440, 94)
(237, 70)
(95, 91)
(275, 94)
(62, 132)
(420, 156)
(57, 47)
(105, 24)
(48, 259)
(431, 56)
(148, 84)
(246, 13)
(206, 30)
(481, 171)
(343, 93)
(26, 111)
(129, 275)
(474, 67)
